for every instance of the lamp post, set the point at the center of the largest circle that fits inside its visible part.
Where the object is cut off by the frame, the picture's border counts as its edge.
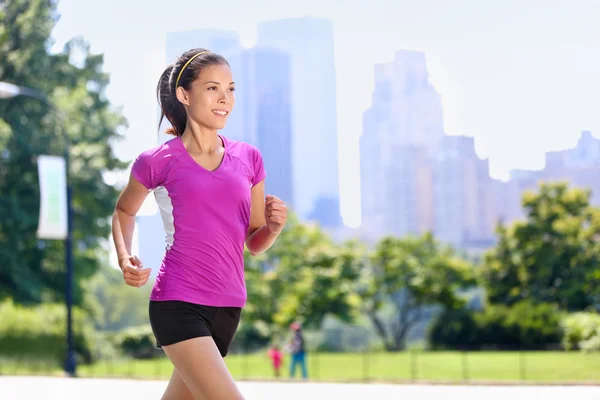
(7, 91)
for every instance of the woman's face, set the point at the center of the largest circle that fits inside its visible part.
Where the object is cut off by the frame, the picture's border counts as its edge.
(211, 97)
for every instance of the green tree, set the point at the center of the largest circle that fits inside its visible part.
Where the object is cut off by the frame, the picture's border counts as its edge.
(552, 256)
(32, 270)
(112, 305)
(410, 273)
(304, 276)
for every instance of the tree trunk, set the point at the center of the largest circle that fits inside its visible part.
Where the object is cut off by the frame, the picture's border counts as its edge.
(408, 315)
(381, 331)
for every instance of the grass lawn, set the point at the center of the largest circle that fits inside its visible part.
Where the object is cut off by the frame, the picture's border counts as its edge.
(543, 367)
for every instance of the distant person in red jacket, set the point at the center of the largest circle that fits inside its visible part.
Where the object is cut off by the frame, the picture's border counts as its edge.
(276, 356)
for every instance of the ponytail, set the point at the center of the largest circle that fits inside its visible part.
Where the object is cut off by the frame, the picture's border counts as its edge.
(171, 108)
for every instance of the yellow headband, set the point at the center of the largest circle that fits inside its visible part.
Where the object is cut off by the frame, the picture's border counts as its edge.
(185, 66)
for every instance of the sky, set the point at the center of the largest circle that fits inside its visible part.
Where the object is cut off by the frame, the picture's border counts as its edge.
(520, 76)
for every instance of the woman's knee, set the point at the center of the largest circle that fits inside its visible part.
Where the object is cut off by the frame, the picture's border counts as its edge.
(177, 389)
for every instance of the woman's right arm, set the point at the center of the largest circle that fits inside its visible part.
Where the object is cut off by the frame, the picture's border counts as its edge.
(123, 225)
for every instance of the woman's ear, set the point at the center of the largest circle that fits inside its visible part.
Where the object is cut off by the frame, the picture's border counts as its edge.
(182, 96)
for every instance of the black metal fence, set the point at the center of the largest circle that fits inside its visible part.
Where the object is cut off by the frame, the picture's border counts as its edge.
(506, 366)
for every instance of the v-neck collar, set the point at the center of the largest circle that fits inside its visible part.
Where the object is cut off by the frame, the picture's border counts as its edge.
(189, 156)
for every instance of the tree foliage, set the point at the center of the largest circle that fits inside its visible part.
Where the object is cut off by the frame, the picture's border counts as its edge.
(111, 304)
(552, 256)
(74, 83)
(304, 276)
(411, 273)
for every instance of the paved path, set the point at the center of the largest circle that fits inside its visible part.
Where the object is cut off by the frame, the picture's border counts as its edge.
(29, 388)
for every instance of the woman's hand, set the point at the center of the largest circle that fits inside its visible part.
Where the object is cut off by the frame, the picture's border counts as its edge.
(275, 214)
(134, 272)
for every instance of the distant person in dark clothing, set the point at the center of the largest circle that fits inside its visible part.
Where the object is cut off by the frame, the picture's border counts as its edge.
(297, 347)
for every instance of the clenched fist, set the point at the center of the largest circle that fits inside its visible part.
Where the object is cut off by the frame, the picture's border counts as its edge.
(134, 272)
(275, 213)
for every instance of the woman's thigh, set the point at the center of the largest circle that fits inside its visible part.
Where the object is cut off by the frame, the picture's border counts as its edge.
(201, 366)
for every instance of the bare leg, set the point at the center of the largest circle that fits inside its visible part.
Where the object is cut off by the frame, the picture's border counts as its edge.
(177, 389)
(200, 365)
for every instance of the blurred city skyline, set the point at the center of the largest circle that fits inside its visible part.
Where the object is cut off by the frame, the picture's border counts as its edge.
(518, 78)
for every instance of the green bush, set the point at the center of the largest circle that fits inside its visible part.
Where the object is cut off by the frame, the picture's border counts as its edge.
(582, 331)
(524, 326)
(453, 329)
(106, 346)
(592, 344)
(138, 342)
(40, 332)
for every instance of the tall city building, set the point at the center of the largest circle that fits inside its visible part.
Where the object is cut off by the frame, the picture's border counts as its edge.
(309, 43)
(262, 113)
(409, 201)
(463, 194)
(410, 106)
(507, 196)
(415, 178)
(400, 130)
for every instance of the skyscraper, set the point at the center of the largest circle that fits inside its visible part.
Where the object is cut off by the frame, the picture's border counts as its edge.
(309, 43)
(263, 113)
(400, 130)
(463, 193)
(273, 120)
(409, 106)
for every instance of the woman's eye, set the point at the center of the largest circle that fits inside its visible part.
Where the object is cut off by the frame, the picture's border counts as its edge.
(212, 88)
(232, 89)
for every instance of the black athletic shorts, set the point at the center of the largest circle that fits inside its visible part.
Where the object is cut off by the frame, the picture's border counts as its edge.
(175, 321)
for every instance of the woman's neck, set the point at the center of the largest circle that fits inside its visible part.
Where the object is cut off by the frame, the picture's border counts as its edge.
(198, 139)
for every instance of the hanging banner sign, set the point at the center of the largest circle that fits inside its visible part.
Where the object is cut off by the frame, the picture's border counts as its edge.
(53, 198)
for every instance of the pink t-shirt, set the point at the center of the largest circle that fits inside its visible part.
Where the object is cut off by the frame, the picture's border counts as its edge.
(206, 216)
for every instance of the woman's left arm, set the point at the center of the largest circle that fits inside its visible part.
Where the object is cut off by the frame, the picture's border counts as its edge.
(267, 219)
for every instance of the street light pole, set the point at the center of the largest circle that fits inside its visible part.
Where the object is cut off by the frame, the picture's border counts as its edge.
(8, 90)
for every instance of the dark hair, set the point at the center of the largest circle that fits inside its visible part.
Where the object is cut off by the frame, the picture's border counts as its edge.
(165, 90)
